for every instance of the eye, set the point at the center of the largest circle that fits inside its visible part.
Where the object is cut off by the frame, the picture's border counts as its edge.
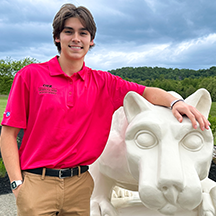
(193, 142)
(68, 32)
(145, 139)
(83, 33)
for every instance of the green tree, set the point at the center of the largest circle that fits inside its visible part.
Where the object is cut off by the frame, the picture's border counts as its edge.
(8, 69)
(212, 120)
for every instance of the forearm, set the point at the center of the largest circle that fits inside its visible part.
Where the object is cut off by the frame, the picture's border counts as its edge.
(158, 96)
(9, 151)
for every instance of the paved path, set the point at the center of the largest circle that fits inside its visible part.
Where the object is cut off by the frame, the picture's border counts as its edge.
(8, 205)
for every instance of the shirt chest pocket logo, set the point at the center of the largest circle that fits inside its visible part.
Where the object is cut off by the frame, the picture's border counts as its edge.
(47, 89)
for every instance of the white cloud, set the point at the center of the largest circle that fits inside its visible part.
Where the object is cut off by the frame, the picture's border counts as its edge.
(167, 33)
(164, 55)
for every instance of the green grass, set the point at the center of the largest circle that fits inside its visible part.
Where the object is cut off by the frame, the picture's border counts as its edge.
(2, 169)
(3, 102)
(213, 109)
(212, 120)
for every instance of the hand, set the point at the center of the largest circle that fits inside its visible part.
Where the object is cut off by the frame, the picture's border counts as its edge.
(16, 191)
(180, 108)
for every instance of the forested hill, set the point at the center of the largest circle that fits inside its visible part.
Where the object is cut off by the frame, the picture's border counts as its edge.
(144, 73)
(183, 81)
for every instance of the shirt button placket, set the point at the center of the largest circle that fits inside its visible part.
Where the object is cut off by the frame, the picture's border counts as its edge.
(70, 94)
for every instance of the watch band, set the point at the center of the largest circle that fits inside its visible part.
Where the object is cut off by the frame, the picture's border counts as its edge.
(15, 184)
(174, 102)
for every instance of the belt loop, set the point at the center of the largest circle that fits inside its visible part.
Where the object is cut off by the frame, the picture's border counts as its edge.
(79, 171)
(43, 173)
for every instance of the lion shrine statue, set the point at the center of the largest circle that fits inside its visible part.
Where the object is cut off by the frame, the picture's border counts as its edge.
(157, 165)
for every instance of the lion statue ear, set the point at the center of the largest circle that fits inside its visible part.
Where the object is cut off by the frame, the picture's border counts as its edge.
(135, 104)
(201, 100)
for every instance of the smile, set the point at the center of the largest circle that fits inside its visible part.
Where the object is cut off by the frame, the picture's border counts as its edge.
(75, 47)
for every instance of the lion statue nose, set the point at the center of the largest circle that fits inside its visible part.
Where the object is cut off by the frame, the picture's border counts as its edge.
(170, 193)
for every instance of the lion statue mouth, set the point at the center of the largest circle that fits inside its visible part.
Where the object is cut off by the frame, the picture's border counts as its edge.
(170, 200)
(168, 209)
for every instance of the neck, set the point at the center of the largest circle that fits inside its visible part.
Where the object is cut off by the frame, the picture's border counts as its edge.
(70, 66)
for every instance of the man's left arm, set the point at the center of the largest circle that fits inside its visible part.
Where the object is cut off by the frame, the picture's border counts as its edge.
(160, 97)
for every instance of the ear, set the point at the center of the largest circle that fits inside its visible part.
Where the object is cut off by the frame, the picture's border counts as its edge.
(57, 40)
(92, 42)
(135, 104)
(201, 100)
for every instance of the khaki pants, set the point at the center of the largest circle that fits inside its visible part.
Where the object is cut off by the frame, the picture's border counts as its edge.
(49, 196)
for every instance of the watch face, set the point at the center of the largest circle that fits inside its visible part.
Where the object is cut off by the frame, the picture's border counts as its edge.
(13, 185)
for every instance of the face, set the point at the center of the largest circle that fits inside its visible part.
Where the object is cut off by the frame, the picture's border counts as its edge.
(75, 40)
(167, 158)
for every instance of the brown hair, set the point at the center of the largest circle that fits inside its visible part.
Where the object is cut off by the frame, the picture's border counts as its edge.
(67, 11)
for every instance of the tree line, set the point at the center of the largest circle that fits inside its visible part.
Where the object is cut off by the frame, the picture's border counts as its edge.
(8, 69)
(182, 81)
(144, 73)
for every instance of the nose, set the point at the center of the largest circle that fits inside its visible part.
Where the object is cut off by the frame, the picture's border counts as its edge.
(75, 38)
(170, 176)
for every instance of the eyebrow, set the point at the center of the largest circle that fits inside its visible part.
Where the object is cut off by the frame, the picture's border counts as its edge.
(70, 28)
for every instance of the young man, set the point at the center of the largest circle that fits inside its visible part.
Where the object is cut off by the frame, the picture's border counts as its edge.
(66, 110)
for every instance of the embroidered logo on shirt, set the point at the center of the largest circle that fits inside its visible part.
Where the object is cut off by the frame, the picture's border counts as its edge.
(7, 114)
(47, 89)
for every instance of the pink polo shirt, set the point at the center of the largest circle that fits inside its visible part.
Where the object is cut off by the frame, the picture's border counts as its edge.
(66, 119)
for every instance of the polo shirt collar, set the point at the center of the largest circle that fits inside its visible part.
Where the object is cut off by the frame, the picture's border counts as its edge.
(82, 72)
(55, 69)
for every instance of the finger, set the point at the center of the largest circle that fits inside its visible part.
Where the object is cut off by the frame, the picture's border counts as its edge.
(184, 109)
(193, 120)
(203, 122)
(192, 117)
(177, 115)
(198, 117)
(200, 121)
(206, 123)
(193, 114)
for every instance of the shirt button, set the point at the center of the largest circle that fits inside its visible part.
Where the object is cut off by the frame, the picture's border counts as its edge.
(70, 93)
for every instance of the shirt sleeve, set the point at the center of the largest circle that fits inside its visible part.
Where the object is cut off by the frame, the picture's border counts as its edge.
(16, 111)
(118, 88)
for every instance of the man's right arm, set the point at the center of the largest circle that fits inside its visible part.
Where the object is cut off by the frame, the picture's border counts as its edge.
(9, 151)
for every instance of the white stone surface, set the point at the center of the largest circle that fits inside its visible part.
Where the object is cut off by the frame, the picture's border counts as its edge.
(134, 207)
(167, 162)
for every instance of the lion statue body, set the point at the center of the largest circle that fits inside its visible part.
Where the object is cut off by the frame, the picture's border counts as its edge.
(165, 162)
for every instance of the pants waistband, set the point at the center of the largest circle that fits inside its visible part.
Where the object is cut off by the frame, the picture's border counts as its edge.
(61, 173)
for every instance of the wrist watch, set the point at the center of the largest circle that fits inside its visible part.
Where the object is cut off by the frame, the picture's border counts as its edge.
(15, 184)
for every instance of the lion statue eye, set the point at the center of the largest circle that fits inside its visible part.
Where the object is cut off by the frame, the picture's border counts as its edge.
(145, 139)
(193, 142)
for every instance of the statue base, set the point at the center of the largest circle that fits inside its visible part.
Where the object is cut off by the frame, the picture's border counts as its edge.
(128, 206)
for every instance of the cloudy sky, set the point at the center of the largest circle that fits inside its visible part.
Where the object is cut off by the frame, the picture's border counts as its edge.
(163, 33)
